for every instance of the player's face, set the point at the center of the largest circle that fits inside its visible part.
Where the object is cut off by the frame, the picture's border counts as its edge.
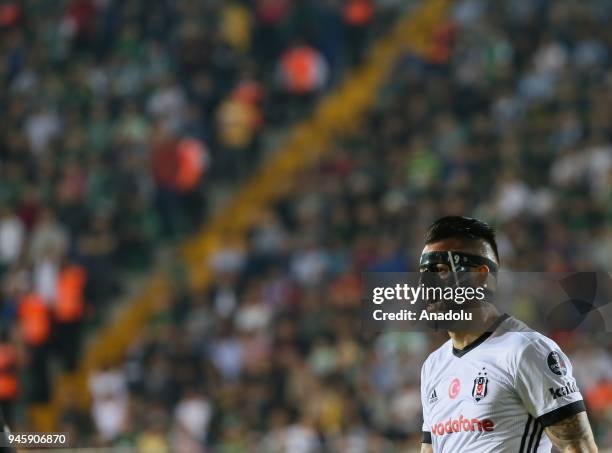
(443, 269)
(438, 271)
(444, 246)
(444, 274)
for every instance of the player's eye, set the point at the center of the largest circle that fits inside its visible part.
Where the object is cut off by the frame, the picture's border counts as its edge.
(436, 267)
(442, 268)
(443, 273)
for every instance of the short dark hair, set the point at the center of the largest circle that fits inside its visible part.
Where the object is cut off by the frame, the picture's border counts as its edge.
(459, 227)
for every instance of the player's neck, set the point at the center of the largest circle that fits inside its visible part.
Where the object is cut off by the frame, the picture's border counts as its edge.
(462, 339)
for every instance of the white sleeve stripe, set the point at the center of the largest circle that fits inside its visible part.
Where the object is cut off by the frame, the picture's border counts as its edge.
(538, 438)
(537, 428)
(534, 433)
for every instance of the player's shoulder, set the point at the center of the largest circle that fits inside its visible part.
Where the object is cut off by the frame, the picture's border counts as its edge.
(526, 348)
(437, 356)
(518, 337)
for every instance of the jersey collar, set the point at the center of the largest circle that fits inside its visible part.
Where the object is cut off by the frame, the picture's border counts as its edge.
(478, 341)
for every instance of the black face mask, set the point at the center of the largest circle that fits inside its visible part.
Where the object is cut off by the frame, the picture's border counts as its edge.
(460, 269)
(456, 261)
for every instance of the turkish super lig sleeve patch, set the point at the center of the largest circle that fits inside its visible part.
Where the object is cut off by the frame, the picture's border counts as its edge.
(556, 364)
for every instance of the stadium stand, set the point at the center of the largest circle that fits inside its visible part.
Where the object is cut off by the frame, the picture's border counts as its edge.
(300, 149)
(506, 115)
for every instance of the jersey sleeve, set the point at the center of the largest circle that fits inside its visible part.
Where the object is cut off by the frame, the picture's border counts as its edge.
(545, 383)
(426, 435)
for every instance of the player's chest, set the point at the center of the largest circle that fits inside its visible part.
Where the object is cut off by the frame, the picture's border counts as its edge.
(474, 389)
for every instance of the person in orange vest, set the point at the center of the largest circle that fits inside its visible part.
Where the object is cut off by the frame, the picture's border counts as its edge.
(192, 155)
(69, 311)
(303, 70)
(9, 378)
(441, 47)
(35, 327)
(358, 15)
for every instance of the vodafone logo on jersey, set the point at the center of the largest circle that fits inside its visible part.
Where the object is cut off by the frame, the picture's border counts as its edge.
(454, 388)
(462, 424)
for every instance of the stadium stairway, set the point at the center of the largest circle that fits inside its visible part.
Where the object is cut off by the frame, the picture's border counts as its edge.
(337, 113)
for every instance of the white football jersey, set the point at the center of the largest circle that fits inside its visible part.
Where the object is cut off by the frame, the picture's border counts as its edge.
(498, 394)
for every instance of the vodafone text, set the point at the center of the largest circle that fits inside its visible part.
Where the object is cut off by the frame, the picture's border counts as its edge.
(462, 424)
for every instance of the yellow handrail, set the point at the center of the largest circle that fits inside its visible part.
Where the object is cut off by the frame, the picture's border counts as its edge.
(336, 114)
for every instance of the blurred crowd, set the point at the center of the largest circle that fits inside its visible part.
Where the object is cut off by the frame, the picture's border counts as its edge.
(508, 119)
(117, 119)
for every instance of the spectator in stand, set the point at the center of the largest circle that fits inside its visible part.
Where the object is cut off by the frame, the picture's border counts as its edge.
(9, 375)
(238, 119)
(12, 237)
(357, 15)
(302, 73)
(69, 312)
(303, 70)
(35, 331)
(192, 416)
(110, 402)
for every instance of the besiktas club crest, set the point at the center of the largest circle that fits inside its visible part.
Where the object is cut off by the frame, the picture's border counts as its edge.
(479, 390)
